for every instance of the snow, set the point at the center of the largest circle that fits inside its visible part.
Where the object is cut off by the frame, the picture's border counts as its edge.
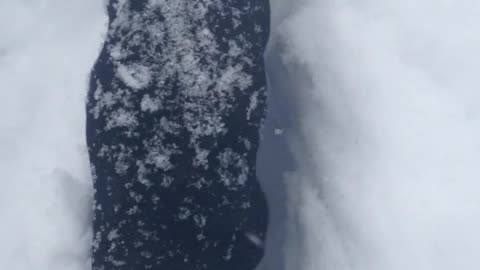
(278, 131)
(255, 239)
(46, 51)
(389, 133)
(387, 145)
(150, 104)
(253, 105)
(135, 76)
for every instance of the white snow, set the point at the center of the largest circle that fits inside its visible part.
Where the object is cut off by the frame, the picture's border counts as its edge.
(46, 51)
(149, 104)
(121, 118)
(135, 75)
(390, 133)
(255, 239)
(253, 105)
(389, 139)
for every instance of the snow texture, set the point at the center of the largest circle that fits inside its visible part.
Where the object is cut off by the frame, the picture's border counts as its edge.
(389, 133)
(386, 146)
(46, 51)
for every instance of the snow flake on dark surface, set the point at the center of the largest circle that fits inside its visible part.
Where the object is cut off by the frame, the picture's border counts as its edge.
(176, 101)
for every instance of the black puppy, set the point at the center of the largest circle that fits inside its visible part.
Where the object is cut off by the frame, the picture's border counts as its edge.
(177, 98)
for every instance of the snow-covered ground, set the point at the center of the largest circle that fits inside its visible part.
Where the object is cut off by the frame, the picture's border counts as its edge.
(387, 94)
(47, 48)
(389, 137)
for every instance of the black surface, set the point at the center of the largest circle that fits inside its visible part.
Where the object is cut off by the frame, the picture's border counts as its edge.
(176, 79)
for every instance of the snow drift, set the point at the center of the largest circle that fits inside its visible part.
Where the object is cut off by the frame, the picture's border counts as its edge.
(389, 134)
(387, 94)
(46, 51)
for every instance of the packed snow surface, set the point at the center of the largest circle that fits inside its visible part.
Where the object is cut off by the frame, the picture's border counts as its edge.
(390, 134)
(46, 51)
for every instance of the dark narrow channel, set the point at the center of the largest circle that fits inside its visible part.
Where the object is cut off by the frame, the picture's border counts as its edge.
(176, 102)
(275, 158)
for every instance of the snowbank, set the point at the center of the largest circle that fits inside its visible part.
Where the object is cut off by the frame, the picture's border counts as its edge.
(390, 134)
(46, 51)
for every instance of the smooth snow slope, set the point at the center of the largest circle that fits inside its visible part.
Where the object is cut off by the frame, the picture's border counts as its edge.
(390, 134)
(46, 51)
